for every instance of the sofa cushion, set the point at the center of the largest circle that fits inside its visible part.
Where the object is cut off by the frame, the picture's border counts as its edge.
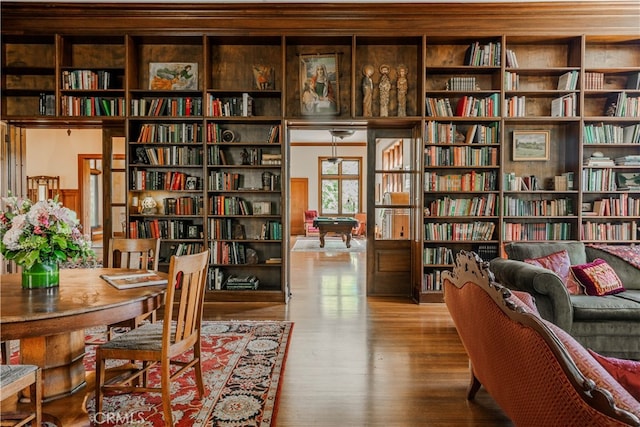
(598, 278)
(559, 263)
(523, 250)
(629, 274)
(626, 372)
(609, 307)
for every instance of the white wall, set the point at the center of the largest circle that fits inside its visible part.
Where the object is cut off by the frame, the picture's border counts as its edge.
(52, 152)
(304, 164)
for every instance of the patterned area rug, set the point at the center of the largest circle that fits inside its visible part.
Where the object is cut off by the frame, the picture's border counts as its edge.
(242, 365)
(331, 244)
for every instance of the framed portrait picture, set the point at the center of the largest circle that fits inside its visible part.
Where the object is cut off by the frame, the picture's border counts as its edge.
(530, 145)
(173, 75)
(191, 183)
(319, 91)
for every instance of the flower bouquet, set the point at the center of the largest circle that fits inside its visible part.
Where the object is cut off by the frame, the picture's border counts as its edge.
(38, 236)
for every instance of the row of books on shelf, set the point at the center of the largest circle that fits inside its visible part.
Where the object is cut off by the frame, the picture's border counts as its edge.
(483, 55)
(90, 106)
(180, 249)
(185, 205)
(167, 106)
(432, 281)
(599, 179)
(512, 182)
(601, 133)
(462, 83)
(224, 181)
(467, 106)
(86, 79)
(476, 206)
(623, 105)
(225, 253)
(568, 80)
(620, 205)
(228, 205)
(609, 231)
(565, 105)
(450, 133)
(469, 181)
(536, 231)
(164, 229)
(596, 80)
(460, 156)
(230, 229)
(46, 104)
(513, 206)
(437, 256)
(142, 179)
(168, 156)
(170, 133)
(459, 231)
(230, 107)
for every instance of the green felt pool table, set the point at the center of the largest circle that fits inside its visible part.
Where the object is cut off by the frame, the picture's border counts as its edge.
(341, 225)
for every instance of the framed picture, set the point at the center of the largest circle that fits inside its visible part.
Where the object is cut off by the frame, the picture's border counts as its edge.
(173, 76)
(530, 145)
(319, 91)
(191, 183)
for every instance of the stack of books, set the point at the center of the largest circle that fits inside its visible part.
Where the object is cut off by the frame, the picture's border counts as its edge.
(242, 283)
(599, 160)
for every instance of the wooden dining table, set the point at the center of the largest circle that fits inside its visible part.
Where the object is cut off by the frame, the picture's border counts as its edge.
(50, 323)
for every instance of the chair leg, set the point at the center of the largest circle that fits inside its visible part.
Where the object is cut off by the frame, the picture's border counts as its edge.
(36, 392)
(6, 354)
(198, 369)
(165, 381)
(100, 372)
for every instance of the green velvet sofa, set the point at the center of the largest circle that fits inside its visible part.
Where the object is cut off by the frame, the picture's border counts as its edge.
(609, 325)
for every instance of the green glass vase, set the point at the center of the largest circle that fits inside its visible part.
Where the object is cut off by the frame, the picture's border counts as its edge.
(41, 275)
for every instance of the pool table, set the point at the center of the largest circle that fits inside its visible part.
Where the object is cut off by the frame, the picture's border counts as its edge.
(341, 225)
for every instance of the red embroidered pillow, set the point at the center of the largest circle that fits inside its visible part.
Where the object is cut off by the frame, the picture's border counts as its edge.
(598, 278)
(559, 263)
(626, 372)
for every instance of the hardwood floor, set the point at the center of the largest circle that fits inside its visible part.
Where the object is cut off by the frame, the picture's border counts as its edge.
(356, 361)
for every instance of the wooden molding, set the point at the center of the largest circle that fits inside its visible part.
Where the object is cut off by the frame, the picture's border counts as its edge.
(432, 19)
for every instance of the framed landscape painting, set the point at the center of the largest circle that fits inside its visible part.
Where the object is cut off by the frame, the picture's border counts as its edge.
(319, 92)
(173, 75)
(530, 145)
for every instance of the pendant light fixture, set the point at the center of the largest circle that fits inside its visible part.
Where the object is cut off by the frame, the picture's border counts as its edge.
(337, 133)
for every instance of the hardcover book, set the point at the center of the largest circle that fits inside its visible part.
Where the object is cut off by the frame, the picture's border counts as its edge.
(136, 279)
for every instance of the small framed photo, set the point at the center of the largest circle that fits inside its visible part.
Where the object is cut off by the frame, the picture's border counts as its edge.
(191, 183)
(173, 75)
(319, 91)
(193, 232)
(530, 145)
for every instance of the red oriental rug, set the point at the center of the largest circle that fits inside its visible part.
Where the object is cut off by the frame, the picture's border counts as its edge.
(242, 365)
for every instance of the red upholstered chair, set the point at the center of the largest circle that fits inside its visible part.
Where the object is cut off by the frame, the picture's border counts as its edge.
(537, 373)
(309, 229)
(361, 228)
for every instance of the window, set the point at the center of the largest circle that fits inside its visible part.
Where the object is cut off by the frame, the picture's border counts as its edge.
(340, 186)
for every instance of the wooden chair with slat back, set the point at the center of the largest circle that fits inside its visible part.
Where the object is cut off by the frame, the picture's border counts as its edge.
(161, 343)
(140, 254)
(14, 379)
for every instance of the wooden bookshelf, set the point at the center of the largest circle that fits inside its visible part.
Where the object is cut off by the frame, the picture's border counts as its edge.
(228, 43)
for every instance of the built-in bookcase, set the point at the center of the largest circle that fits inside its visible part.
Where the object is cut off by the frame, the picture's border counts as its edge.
(516, 131)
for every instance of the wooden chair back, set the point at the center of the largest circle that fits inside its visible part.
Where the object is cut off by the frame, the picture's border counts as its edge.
(188, 278)
(133, 253)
